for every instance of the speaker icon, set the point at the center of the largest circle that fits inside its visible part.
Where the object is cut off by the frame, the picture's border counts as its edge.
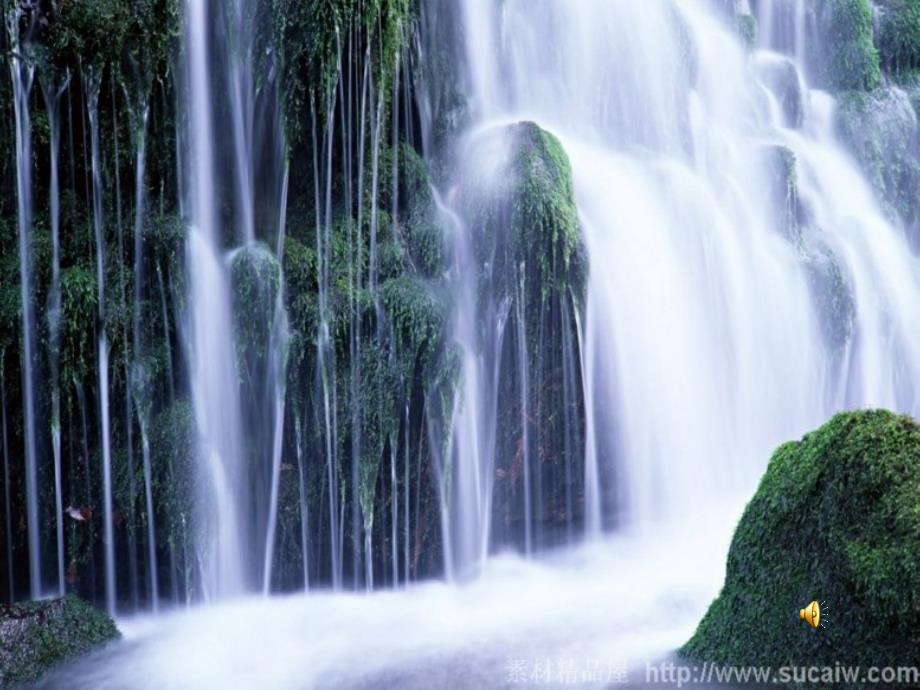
(813, 615)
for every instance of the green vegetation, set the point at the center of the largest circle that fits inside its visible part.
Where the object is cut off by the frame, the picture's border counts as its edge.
(532, 266)
(256, 279)
(36, 635)
(850, 57)
(899, 35)
(836, 518)
(79, 296)
(312, 37)
(526, 219)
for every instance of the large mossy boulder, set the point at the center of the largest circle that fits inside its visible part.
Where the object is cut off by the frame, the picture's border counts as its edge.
(525, 224)
(518, 199)
(36, 635)
(836, 519)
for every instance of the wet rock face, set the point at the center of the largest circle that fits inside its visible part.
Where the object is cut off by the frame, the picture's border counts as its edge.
(532, 277)
(781, 77)
(34, 636)
(836, 518)
(880, 129)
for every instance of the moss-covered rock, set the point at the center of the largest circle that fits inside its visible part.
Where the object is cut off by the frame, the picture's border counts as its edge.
(419, 224)
(880, 129)
(519, 203)
(833, 298)
(846, 53)
(256, 279)
(524, 216)
(36, 635)
(836, 518)
(782, 171)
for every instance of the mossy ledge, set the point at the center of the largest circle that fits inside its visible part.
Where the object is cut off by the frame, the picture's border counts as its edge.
(836, 518)
(37, 635)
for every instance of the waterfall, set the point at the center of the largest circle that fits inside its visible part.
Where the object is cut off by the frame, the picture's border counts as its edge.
(92, 78)
(240, 19)
(326, 375)
(139, 115)
(237, 332)
(215, 390)
(52, 94)
(22, 74)
(708, 336)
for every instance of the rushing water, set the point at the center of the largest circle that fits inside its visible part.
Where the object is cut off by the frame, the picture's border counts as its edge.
(598, 611)
(23, 74)
(215, 391)
(744, 285)
(706, 337)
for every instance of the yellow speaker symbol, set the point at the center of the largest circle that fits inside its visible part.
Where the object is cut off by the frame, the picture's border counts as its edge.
(811, 614)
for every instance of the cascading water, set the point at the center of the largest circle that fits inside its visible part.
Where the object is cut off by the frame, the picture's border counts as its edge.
(215, 391)
(93, 79)
(702, 289)
(473, 363)
(53, 93)
(238, 368)
(23, 73)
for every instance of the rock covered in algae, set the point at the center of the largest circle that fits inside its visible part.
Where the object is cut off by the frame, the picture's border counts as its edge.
(836, 519)
(36, 635)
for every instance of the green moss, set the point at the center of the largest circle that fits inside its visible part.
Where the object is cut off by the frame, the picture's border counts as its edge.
(36, 635)
(173, 453)
(103, 32)
(420, 226)
(850, 60)
(836, 518)
(9, 288)
(523, 220)
(899, 35)
(256, 278)
(88, 31)
(299, 264)
(78, 314)
(311, 36)
(377, 404)
(417, 318)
